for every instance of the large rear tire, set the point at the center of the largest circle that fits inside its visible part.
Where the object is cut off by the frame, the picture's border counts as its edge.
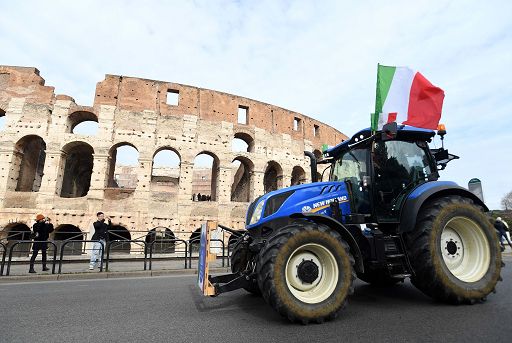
(306, 273)
(454, 251)
(240, 263)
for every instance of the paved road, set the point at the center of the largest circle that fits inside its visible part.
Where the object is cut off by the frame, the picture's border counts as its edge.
(170, 309)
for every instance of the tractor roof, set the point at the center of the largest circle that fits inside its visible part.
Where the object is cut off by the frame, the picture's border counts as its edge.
(404, 133)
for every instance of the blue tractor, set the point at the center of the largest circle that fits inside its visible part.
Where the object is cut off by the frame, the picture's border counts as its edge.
(382, 216)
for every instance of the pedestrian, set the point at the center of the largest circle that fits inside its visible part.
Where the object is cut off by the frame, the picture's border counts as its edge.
(41, 232)
(101, 228)
(502, 229)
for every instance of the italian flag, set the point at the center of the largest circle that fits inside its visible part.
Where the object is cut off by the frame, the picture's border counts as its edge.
(406, 97)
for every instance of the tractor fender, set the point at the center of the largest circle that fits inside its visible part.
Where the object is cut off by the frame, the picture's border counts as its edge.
(341, 229)
(429, 191)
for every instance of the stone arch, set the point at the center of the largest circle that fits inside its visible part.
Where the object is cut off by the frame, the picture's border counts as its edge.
(69, 232)
(194, 240)
(28, 163)
(245, 138)
(17, 232)
(273, 177)
(165, 170)
(242, 179)
(119, 232)
(2, 120)
(205, 178)
(78, 118)
(77, 164)
(122, 176)
(298, 176)
(159, 237)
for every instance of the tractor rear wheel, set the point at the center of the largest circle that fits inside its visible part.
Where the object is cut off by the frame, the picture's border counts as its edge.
(454, 251)
(306, 273)
(240, 263)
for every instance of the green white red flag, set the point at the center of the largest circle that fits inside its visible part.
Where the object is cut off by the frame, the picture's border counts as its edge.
(406, 97)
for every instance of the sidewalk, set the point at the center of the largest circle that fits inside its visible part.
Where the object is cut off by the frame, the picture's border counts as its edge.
(117, 268)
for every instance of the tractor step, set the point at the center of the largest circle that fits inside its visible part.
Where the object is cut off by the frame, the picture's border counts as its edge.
(400, 276)
(395, 256)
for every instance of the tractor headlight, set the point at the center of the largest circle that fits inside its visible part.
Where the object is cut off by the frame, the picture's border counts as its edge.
(256, 215)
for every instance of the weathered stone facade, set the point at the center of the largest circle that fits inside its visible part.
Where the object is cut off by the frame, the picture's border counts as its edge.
(45, 167)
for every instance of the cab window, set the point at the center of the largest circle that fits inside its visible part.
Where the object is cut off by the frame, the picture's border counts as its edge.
(350, 168)
(399, 166)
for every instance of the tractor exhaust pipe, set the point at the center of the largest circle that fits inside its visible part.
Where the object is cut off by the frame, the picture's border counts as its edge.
(314, 172)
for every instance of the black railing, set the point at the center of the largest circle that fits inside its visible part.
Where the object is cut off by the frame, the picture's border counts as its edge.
(4, 252)
(152, 244)
(63, 245)
(76, 238)
(29, 241)
(137, 241)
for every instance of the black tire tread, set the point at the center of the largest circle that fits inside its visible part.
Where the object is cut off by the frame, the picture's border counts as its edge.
(417, 242)
(267, 259)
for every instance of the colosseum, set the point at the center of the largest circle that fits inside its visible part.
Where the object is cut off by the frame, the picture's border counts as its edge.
(48, 167)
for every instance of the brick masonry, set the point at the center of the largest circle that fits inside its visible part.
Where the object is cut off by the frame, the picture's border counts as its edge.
(135, 111)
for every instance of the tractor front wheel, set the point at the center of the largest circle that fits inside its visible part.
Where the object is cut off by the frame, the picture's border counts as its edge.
(306, 273)
(454, 251)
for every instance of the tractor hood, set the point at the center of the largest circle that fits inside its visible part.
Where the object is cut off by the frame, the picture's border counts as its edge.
(312, 197)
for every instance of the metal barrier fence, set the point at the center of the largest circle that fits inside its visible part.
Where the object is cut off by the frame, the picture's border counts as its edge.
(4, 251)
(122, 241)
(30, 241)
(63, 245)
(147, 240)
(152, 245)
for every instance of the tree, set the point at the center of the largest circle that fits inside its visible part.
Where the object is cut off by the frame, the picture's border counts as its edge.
(506, 202)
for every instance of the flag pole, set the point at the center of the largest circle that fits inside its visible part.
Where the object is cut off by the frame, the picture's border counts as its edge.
(374, 116)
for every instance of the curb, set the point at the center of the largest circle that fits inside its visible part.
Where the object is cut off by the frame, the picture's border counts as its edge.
(104, 275)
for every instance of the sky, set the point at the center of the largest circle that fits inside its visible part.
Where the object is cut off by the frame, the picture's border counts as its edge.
(318, 58)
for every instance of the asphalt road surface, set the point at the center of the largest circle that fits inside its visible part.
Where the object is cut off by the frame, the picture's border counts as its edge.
(170, 309)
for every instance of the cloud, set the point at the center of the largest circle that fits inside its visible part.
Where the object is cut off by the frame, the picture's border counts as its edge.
(317, 58)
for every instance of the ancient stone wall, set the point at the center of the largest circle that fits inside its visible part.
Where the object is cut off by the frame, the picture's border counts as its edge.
(45, 167)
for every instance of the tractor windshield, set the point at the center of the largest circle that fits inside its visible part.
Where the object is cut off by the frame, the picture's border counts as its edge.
(350, 166)
(399, 166)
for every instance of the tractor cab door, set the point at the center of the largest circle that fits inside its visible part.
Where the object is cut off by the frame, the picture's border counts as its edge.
(398, 167)
(351, 167)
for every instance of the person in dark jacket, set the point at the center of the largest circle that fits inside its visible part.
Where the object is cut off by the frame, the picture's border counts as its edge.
(41, 230)
(502, 229)
(101, 227)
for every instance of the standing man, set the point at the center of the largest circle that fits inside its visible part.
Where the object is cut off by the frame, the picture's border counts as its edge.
(41, 230)
(101, 228)
(502, 229)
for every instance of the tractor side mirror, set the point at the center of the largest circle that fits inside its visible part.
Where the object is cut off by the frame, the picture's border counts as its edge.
(389, 131)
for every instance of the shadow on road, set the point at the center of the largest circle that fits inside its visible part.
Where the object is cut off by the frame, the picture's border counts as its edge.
(365, 298)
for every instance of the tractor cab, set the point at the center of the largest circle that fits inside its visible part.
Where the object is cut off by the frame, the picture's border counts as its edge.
(379, 171)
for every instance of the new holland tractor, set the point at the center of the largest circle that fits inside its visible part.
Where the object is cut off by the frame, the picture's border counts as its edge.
(382, 216)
